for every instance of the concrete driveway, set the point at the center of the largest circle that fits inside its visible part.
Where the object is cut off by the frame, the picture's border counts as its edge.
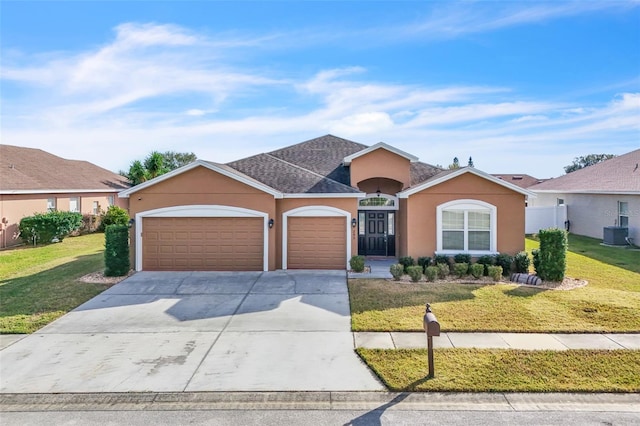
(197, 331)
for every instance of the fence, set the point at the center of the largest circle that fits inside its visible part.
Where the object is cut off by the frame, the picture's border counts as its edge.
(537, 218)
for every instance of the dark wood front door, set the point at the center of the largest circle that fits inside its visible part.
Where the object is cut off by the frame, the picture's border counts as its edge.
(377, 236)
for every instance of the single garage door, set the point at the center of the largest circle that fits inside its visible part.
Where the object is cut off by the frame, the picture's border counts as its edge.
(202, 244)
(316, 243)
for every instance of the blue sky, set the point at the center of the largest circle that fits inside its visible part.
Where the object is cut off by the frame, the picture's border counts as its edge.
(522, 87)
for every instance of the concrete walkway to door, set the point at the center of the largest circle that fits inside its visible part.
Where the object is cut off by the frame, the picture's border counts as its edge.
(197, 331)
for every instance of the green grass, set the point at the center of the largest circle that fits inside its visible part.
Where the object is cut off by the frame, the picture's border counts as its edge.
(39, 284)
(493, 370)
(609, 303)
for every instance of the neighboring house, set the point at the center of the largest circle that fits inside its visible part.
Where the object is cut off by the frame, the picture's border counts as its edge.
(314, 205)
(603, 195)
(523, 181)
(34, 181)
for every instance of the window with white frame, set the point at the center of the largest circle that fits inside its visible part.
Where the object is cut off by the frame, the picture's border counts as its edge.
(623, 213)
(74, 204)
(96, 208)
(110, 200)
(51, 204)
(466, 226)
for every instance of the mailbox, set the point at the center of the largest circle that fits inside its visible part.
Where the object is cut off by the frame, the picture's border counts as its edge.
(431, 324)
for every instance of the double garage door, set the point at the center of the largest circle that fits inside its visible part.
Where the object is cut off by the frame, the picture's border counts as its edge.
(237, 244)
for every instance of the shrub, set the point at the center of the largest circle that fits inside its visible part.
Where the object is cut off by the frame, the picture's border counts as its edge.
(441, 259)
(397, 270)
(425, 262)
(495, 272)
(553, 254)
(460, 269)
(90, 223)
(415, 272)
(116, 251)
(477, 270)
(113, 216)
(44, 227)
(443, 270)
(486, 260)
(505, 261)
(431, 273)
(406, 261)
(535, 255)
(462, 258)
(357, 263)
(521, 262)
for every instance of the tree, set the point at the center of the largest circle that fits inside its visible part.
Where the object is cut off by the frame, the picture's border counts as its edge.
(156, 164)
(455, 165)
(586, 161)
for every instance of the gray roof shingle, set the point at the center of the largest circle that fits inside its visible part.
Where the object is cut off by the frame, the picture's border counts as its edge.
(28, 169)
(619, 174)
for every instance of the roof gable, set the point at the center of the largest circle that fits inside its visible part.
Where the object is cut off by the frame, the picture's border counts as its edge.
(447, 175)
(380, 145)
(618, 175)
(29, 170)
(219, 168)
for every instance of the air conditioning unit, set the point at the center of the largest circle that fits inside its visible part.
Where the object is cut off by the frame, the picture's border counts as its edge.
(615, 235)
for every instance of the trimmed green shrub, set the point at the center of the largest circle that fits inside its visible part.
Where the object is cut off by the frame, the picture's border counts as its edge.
(443, 270)
(43, 228)
(486, 260)
(521, 262)
(441, 258)
(553, 254)
(462, 258)
(113, 216)
(535, 255)
(406, 261)
(116, 251)
(495, 272)
(415, 272)
(505, 261)
(357, 263)
(477, 270)
(425, 262)
(397, 271)
(460, 269)
(431, 273)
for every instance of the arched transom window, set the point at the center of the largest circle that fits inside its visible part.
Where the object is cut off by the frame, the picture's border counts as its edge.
(466, 226)
(378, 202)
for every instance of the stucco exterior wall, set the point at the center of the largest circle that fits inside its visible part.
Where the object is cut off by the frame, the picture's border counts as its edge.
(420, 237)
(201, 186)
(381, 163)
(283, 205)
(590, 213)
(14, 207)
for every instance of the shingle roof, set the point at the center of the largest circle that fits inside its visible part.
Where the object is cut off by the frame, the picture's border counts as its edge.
(28, 169)
(523, 181)
(617, 175)
(314, 166)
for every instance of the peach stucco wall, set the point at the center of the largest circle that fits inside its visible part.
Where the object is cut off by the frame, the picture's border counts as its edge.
(201, 186)
(381, 163)
(420, 213)
(14, 207)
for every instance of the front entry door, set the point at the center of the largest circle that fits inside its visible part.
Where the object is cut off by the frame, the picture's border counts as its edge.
(378, 236)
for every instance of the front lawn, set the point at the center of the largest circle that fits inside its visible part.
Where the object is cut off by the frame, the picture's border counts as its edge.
(39, 284)
(609, 303)
(493, 370)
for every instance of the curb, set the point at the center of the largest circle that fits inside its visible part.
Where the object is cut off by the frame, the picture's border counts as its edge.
(439, 401)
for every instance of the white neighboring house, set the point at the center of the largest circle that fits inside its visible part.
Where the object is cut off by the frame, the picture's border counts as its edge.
(603, 195)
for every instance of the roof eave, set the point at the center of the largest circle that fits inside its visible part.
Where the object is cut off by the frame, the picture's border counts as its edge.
(433, 182)
(584, 191)
(326, 195)
(380, 145)
(55, 191)
(260, 186)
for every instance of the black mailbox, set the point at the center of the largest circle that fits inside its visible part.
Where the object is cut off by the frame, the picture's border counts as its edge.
(431, 324)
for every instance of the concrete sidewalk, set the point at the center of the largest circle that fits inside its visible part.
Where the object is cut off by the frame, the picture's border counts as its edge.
(530, 341)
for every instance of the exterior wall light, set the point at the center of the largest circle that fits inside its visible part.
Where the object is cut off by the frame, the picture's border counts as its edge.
(354, 222)
(132, 221)
(271, 222)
